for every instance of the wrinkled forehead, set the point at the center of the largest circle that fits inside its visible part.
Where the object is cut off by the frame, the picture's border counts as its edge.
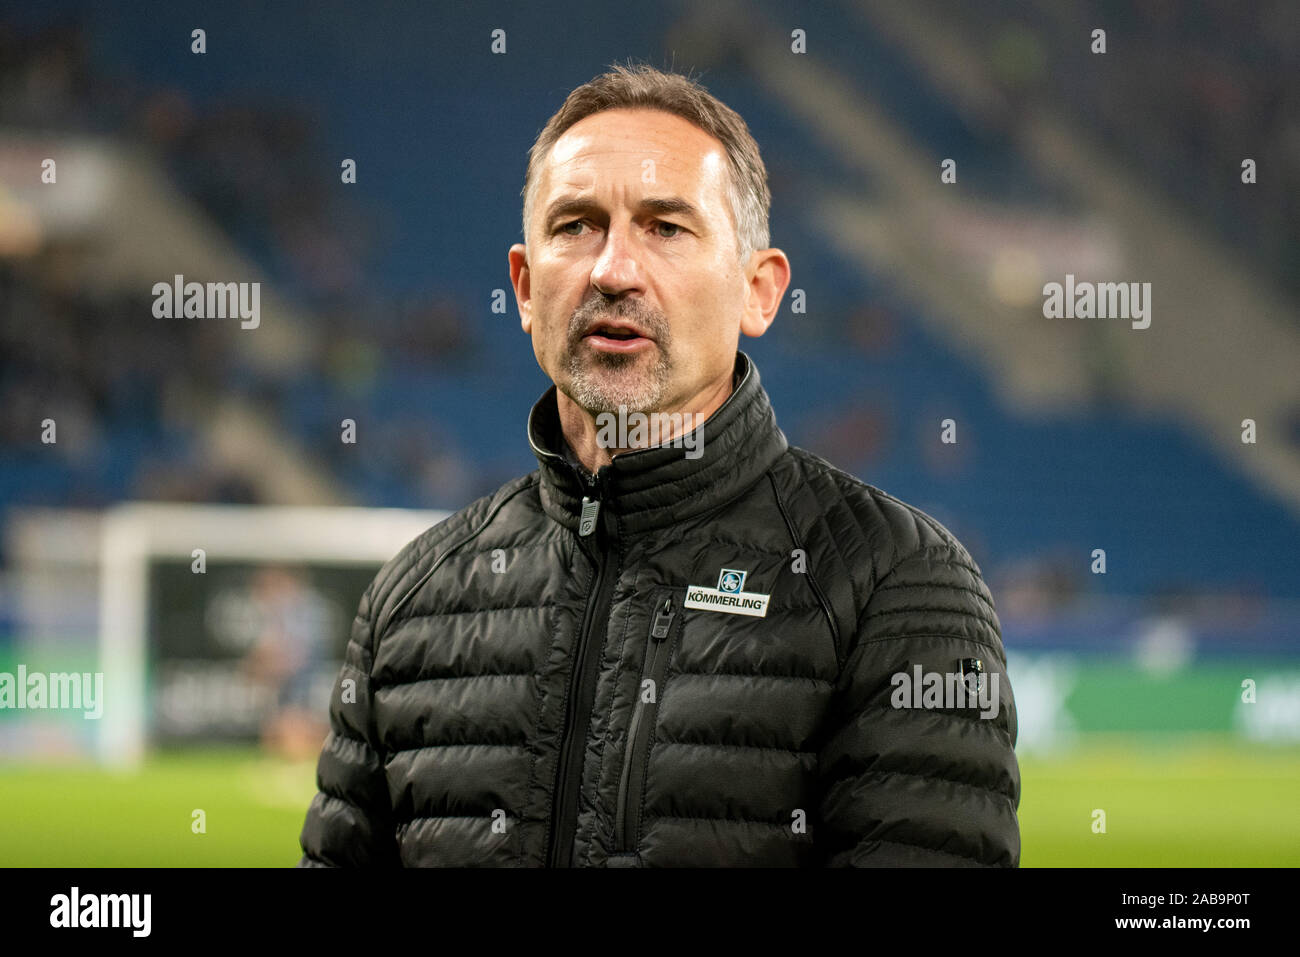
(638, 149)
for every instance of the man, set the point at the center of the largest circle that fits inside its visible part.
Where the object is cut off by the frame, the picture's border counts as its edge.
(680, 642)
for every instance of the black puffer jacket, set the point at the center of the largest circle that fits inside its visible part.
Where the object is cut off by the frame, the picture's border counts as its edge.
(517, 693)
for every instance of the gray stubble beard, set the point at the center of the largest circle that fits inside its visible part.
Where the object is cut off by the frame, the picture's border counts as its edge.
(590, 372)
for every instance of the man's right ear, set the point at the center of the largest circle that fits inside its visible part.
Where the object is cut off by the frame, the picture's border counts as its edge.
(519, 278)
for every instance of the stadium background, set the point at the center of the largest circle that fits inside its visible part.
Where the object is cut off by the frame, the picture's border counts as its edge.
(923, 303)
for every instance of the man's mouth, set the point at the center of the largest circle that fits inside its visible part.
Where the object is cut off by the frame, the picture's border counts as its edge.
(616, 337)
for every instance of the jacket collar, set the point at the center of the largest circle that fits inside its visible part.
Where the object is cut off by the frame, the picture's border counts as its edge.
(659, 486)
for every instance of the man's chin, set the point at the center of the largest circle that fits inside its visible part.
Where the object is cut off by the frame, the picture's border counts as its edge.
(603, 381)
(608, 393)
(611, 401)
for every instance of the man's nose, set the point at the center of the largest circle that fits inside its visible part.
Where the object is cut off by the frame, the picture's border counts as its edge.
(617, 269)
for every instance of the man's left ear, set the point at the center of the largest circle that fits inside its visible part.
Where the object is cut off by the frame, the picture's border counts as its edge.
(520, 279)
(769, 275)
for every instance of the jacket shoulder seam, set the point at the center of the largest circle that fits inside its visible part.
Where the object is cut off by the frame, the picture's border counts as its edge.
(845, 481)
(422, 549)
(837, 640)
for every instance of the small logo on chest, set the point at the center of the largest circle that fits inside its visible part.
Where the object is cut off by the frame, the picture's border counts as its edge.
(729, 597)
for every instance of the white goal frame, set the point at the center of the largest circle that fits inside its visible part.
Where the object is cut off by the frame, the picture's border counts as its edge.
(134, 534)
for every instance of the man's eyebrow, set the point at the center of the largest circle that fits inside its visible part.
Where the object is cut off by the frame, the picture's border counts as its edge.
(567, 206)
(670, 206)
(663, 206)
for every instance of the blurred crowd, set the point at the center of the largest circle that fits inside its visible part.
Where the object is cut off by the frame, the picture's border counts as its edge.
(1185, 93)
(95, 363)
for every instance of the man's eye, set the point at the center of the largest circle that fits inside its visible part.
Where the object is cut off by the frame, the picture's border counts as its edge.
(673, 226)
(565, 227)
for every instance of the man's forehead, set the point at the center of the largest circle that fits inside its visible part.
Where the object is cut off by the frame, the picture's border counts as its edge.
(619, 142)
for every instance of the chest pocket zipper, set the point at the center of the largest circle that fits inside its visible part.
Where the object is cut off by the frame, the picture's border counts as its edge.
(665, 623)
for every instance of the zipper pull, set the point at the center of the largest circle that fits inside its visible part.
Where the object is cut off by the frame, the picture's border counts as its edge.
(590, 510)
(663, 620)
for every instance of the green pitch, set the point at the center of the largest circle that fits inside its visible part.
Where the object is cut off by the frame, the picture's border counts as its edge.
(1214, 804)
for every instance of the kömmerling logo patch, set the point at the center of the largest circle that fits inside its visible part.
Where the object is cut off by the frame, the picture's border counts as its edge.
(729, 597)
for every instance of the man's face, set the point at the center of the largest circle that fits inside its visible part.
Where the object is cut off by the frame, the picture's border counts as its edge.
(631, 287)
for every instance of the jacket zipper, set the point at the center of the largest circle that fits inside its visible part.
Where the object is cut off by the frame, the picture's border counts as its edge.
(586, 667)
(631, 782)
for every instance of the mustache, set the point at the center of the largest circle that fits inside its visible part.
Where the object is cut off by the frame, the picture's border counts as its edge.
(648, 319)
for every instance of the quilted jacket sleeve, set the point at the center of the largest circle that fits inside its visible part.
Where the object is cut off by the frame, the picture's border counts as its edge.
(907, 778)
(349, 822)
